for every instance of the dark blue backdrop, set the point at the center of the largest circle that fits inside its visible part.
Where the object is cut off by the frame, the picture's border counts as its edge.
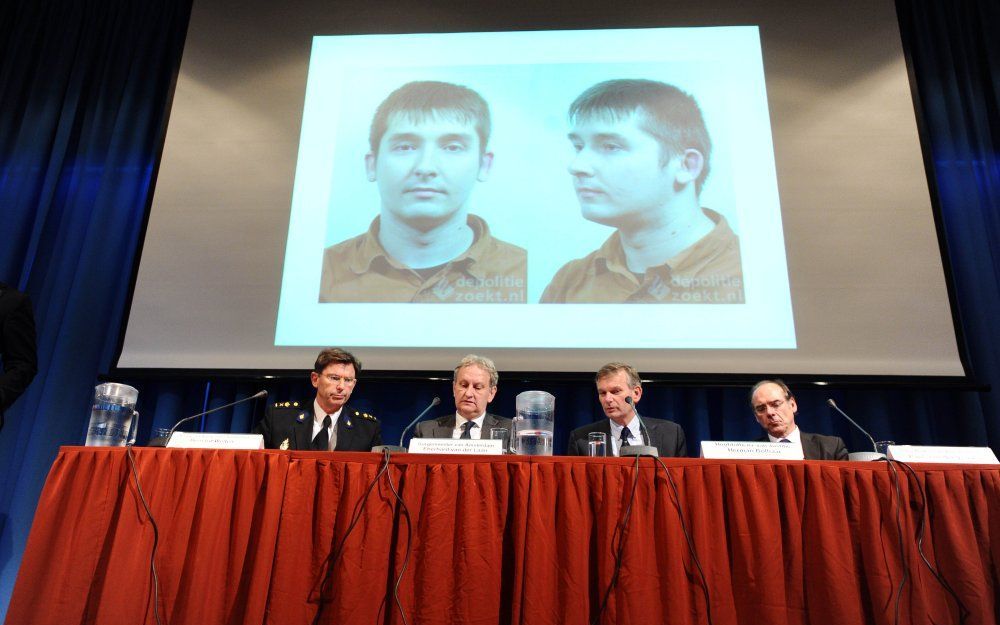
(84, 88)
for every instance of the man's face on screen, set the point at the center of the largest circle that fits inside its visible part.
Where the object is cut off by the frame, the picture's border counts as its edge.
(774, 411)
(612, 390)
(618, 171)
(472, 391)
(426, 167)
(334, 386)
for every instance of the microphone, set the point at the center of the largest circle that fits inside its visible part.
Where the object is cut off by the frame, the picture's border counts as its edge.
(166, 439)
(399, 448)
(867, 456)
(638, 450)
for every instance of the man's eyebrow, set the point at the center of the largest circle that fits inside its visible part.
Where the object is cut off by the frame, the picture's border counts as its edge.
(403, 136)
(455, 136)
(599, 137)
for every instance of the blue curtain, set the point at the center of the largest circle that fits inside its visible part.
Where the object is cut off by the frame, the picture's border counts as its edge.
(84, 89)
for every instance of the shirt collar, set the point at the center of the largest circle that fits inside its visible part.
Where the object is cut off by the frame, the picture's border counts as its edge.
(319, 414)
(611, 255)
(794, 436)
(370, 251)
(460, 420)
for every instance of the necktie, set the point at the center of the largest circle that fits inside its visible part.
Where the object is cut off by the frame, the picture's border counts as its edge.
(623, 439)
(322, 440)
(784, 440)
(467, 428)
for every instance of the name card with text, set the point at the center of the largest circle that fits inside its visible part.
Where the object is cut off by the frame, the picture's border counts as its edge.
(750, 450)
(482, 447)
(949, 455)
(208, 440)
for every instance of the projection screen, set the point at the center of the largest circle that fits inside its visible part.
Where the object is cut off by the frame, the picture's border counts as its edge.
(716, 191)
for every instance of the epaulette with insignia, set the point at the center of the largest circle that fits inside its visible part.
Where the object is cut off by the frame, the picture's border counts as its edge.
(286, 404)
(365, 415)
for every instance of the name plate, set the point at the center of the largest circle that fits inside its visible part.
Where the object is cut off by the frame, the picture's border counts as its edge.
(208, 440)
(482, 447)
(949, 455)
(750, 450)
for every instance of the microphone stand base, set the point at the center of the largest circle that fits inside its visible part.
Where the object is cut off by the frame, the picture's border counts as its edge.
(395, 449)
(865, 456)
(630, 451)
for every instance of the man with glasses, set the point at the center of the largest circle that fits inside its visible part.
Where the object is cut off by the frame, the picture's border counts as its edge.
(775, 408)
(326, 425)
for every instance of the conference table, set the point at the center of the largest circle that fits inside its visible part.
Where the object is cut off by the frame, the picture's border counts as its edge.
(290, 537)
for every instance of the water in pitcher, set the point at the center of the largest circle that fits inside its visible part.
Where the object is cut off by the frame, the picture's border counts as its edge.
(534, 442)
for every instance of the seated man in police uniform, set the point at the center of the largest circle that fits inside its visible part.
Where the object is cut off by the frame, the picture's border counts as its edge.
(474, 385)
(326, 425)
(774, 407)
(617, 381)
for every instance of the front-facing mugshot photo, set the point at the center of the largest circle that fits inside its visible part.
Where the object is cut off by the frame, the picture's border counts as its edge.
(643, 153)
(428, 147)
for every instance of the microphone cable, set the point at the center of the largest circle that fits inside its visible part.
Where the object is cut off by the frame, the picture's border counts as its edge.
(619, 552)
(334, 556)
(963, 612)
(156, 535)
(690, 541)
(400, 511)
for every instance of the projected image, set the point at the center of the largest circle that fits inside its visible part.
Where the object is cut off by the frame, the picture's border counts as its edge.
(642, 154)
(427, 150)
(542, 181)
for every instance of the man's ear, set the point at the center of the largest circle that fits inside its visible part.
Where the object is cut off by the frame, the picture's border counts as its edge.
(485, 163)
(370, 166)
(691, 164)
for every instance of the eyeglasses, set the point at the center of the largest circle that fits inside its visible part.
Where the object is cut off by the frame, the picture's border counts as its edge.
(762, 408)
(336, 379)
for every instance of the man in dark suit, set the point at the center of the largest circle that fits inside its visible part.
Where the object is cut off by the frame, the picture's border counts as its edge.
(774, 407)
(17, 346)
(326, 425)
(474, 385)
(616, 382)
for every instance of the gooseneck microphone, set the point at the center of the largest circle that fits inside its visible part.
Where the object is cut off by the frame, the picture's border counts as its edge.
(638, 450)
(859, 455)
(399, 448)
(166, 439)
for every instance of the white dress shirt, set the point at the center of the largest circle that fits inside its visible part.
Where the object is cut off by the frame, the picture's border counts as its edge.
(318, 415)
(475, 431)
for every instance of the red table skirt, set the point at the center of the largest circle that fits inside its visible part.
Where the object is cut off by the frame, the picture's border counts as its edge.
(244, 538)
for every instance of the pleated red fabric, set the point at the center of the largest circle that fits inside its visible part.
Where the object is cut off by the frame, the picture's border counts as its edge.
(248, 537)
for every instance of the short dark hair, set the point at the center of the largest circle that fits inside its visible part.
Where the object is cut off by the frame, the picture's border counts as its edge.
(426, 98)
(777, 382)
(672, 116)
(614, 367)
(335, 355)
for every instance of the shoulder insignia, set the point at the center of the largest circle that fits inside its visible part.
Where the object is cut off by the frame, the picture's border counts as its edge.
(284, 445)
(295, 403)
(365, 415)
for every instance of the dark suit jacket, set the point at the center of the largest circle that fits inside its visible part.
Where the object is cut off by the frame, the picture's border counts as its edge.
(17, 345)
(290, 427)
(666, 436)
(820, 447)
(442, 427)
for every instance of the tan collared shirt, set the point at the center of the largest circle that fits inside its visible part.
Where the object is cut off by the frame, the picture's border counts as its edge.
(708, 272)
(489, 272)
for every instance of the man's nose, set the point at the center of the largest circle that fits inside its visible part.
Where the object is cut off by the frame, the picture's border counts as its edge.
(580, 165)
(427, 162)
